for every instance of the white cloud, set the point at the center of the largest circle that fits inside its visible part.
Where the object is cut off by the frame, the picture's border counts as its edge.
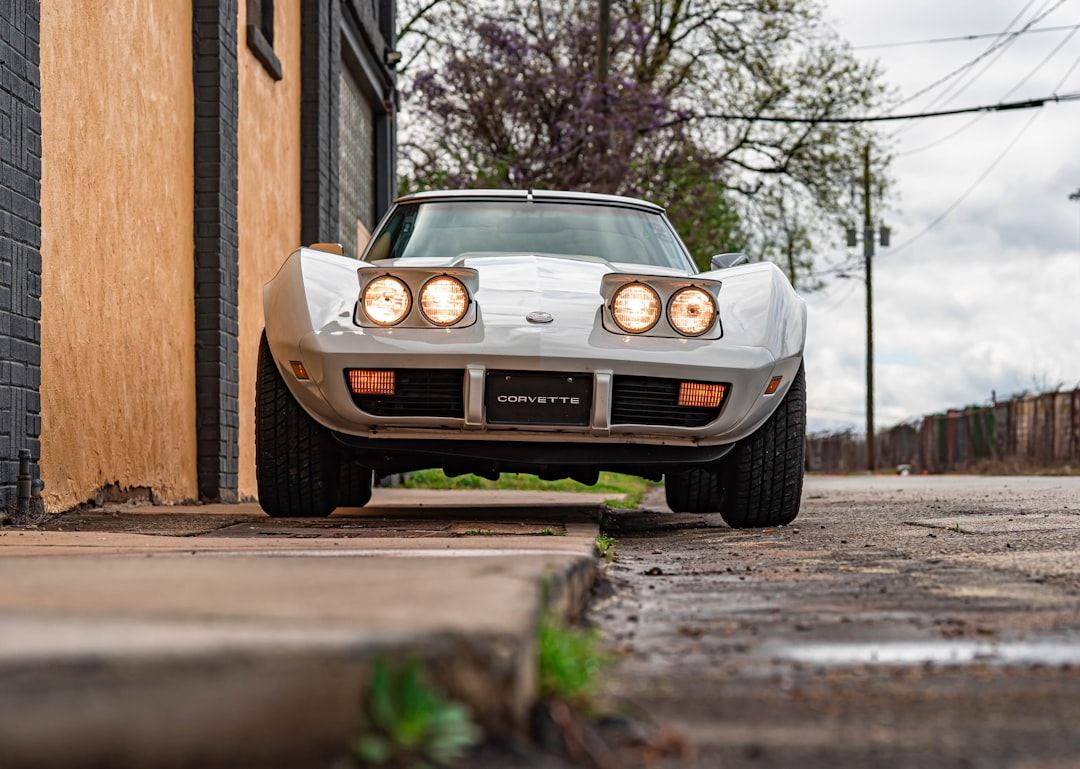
(989, 299)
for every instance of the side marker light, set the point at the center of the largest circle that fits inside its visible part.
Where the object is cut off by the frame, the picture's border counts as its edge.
(774, 385)
(298, 370)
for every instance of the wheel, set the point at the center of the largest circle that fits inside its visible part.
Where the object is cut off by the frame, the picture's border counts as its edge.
(354, 485)
(693, 490)
(763, 475)
(296, 462)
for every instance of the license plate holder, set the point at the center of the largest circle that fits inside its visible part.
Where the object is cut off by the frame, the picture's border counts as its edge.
(538, 398)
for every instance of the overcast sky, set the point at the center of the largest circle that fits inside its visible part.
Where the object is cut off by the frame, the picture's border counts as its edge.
(988, 299)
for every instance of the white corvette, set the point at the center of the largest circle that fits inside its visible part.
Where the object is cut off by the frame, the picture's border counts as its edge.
(553, 333)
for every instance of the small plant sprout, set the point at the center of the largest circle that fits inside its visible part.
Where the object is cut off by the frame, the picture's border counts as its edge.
(408, 724)
(605, 547)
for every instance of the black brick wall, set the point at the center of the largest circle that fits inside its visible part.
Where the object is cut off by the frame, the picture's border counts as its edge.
(214, 45)
(320, 68)
(368, 28)
(20, 239)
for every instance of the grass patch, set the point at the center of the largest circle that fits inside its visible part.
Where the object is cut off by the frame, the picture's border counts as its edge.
(571, 664)
(610, 483)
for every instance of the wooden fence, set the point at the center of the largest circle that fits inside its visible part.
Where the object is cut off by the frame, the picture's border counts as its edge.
(1028, 431)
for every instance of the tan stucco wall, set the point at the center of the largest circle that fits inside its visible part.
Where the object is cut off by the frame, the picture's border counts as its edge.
(269, 197)
(117, 330)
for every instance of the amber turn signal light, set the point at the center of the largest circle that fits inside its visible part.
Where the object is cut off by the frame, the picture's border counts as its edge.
(774, 385)
(371, 382)
(701, 395)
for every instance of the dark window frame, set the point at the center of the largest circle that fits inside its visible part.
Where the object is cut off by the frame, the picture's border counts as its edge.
(260, 35)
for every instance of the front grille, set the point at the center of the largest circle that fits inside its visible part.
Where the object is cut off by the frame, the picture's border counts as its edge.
(638, 400)
(418, 393)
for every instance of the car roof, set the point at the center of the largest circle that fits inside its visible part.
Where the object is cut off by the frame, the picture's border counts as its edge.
(556, 196)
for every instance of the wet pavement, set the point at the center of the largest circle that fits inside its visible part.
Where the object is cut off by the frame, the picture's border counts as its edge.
(898, 622)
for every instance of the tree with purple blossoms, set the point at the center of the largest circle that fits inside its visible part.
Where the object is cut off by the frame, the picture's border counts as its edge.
(509, 96)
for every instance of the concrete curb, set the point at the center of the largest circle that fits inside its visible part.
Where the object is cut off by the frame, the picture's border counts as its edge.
(124, 654)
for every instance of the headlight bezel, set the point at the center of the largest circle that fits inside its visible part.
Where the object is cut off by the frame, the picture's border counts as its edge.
(666, 288)
(416, 279)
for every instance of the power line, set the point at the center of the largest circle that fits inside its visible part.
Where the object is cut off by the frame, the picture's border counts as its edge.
(1006, 95)
(960, 38)
(1042, 63)
(985, 173)
(1001, 107)
(1007, 40)
(956, 203)
(954, 89)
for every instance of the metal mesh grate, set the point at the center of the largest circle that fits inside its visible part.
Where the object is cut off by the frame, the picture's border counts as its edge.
(418, 393)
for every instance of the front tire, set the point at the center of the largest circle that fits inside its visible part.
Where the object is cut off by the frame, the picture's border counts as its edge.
(763, 475)
(354, 485)
(296, 461)
(693, 490)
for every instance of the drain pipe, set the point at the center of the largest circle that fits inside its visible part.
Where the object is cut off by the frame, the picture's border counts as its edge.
(25, 485)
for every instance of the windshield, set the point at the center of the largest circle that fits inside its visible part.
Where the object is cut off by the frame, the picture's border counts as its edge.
(446, 229)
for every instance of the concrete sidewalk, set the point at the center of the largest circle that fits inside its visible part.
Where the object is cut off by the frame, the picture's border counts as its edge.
(214, 636)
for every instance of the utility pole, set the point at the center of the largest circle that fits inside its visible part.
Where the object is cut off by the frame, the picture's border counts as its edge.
(603, 57)
(604, 41)
(868, 238)
(868, 259)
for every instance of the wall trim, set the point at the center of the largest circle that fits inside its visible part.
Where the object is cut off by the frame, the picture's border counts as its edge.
(217, 389)
(20, 243)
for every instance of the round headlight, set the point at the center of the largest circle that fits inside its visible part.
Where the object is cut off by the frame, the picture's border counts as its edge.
(386, 300)
(635, 307)
(444, 300)
(692, 311)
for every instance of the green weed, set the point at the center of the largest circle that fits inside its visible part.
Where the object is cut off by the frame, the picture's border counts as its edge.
(571, 664)
(409, 724)
(605, 547)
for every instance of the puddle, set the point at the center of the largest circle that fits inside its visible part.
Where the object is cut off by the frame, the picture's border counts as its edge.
(1052, 653)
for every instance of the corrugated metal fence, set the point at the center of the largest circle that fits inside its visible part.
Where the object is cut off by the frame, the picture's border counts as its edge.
(1028, 431)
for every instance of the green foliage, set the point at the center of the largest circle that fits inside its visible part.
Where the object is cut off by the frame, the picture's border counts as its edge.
(408, 724)
(631, 486)
(506, 94)
(571, 664)
(605, 546)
